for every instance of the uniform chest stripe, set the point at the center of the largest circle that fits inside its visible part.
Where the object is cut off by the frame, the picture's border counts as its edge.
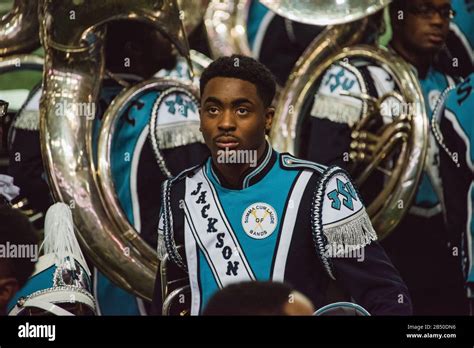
(288, 226)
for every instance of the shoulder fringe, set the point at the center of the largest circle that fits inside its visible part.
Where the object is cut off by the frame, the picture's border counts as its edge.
(356, 233)
(175, 135)
(335, 110)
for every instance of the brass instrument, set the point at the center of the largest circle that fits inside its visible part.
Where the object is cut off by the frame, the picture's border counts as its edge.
(397, 149)
(105, 183)
(192, 13)
(325, 12)
(226, 26)
(73, 33)
(174, 290)
(19, 28)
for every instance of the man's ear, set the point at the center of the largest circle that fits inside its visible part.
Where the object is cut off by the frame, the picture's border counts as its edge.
(8, 288)
(269, 114)
(199, 112)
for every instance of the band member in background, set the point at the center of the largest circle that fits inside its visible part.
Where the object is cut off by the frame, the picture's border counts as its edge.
(418, 247)
(250, 213)
(133, 53)
(454, 130)
(433, 279)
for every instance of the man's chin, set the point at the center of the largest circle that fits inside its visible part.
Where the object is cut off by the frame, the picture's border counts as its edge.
(431, 49)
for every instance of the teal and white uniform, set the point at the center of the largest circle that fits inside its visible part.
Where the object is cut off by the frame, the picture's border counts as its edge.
(326, 138)
(288, 220)
(456, 125)
(428, 201)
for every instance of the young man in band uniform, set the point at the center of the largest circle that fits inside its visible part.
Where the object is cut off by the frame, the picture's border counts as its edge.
(278, 219)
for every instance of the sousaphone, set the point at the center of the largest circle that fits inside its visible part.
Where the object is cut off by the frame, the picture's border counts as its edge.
(396, 150)
(73, 34)
(226, 27)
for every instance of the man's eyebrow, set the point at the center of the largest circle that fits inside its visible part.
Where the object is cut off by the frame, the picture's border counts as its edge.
(212, 100)
(234, 102)
(241, 101)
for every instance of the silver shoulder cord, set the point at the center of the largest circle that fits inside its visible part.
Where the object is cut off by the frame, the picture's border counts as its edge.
(435, 119)
(170, 243)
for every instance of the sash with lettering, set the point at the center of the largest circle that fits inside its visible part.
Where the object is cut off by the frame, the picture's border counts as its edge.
(207, 225)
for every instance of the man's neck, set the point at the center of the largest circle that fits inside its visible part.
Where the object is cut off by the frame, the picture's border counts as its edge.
(420, 62)
(232, 174)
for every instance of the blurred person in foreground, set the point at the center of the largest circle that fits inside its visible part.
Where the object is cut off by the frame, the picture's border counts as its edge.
(259, 298)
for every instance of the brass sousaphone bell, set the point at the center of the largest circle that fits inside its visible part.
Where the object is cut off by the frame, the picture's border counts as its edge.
(398, 149)
(73, 34)
(226, 27)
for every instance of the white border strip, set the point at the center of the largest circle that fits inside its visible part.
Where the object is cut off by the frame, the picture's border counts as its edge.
(192, 261)
(289, 225)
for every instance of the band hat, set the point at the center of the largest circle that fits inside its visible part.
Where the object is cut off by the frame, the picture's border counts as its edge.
(61, 275)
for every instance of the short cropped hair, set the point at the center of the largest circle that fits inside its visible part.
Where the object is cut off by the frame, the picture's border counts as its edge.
(250, 298)
(243, 68)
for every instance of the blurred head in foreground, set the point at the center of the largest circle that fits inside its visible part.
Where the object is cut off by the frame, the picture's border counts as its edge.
(259, 298)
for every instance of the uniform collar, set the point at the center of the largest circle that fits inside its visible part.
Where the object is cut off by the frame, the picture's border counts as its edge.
(251, 176)
(430, 70)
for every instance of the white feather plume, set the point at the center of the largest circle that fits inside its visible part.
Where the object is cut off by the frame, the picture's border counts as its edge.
(59, 237)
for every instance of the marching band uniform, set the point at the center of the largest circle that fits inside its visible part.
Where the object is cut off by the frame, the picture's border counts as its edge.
(456, 131)
(60, 284)
(280, 225)
(332, 116)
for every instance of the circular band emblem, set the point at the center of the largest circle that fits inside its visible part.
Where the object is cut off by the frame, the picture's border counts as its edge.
(259, 220)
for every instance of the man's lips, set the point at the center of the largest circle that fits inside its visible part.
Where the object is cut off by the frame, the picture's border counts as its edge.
(435, 37)
(224, 142)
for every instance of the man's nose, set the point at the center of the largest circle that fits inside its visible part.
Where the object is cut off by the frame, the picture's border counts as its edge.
(227, 121)
(437, 19)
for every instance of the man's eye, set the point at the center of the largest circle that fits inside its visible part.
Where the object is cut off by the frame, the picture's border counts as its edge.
(422, 10)
(212, 110)
(242, 111)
